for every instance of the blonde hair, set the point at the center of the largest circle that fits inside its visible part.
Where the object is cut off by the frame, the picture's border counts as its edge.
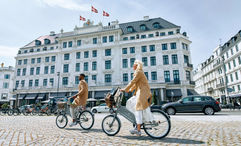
(139, 65)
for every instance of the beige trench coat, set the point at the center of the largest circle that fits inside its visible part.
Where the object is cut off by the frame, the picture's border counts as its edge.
(82, 95)
(140, 84)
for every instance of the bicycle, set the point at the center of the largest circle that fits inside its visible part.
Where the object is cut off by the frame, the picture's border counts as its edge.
(111, 124)
(84, 117)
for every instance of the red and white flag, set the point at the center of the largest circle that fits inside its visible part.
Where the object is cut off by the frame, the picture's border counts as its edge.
(81, 18)
(94, 9)
(105, 14)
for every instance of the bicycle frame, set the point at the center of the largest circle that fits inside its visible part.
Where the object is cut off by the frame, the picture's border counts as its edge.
(122, 110)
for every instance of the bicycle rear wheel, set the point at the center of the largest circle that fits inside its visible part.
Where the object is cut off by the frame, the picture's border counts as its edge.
(160, 127)
(10, 112)
(111, 125)
(61, 121)
(86, 120)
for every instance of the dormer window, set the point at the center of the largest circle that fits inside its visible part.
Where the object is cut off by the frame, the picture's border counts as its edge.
(143, 27)
(156, 25)
(37, 42)
(46, 41)
(233, 39)
(130, 29)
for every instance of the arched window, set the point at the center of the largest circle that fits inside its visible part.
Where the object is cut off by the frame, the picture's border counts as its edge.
(46, 41)
(130, 29)
(37, 42)
(143, 27)
(156, 25)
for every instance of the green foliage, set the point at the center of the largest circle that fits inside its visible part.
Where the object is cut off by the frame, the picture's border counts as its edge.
(124, 100)
(5, 105)
(98, 102)
(154, 98)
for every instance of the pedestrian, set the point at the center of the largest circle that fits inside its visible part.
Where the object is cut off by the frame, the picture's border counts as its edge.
(140, 103)
(79, 99)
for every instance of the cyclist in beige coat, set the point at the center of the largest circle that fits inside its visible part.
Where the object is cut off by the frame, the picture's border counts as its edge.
(80, 98)
(140, 102)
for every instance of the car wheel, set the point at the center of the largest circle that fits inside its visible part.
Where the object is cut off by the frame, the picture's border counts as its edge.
(209, 111)
(171, 111)
(94, 111)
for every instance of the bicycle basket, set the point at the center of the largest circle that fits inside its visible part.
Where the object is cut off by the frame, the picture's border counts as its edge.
(61, 105)
(109, 100)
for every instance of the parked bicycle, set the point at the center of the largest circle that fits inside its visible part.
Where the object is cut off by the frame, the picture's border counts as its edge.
(111, 124)
(4, 111)
(44, 110)
(84, 117)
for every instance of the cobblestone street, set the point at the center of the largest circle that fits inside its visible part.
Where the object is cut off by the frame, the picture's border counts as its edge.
(187, 129)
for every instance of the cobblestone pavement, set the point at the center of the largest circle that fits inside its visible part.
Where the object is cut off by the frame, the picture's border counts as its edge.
(187, 129)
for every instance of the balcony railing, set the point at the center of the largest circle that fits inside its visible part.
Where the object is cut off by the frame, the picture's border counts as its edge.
(188, 65)
(220, 85)
(192, 82)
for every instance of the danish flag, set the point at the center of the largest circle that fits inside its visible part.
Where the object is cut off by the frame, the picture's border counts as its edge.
(81, 18)
(94, 9)
(105, 14)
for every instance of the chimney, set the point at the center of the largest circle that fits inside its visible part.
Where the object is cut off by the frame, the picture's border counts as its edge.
(2, 65)
(146, 18)
(52, 33)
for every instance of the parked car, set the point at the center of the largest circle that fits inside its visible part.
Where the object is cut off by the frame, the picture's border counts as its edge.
(159, 107)
(102, 108)
(193, 104)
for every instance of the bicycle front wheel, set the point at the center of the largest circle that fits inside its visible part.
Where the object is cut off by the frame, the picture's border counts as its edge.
(61, 121)
(111, 125)
(86, 120)
(160, 127)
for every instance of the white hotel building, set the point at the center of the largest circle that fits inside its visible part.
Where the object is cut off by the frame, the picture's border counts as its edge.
(51, 63)
(220, 75)
(6, 83)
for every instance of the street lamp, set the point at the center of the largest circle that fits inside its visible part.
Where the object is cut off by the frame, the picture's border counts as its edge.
(58, 74)
(16, 103)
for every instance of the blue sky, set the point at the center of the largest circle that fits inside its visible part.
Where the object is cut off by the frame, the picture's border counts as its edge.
(205, 21)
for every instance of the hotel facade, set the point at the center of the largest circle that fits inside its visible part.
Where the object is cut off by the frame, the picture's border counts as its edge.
(220, 75)
(49, 66)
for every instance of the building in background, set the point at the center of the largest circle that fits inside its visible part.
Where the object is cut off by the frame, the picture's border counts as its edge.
(6, 83)
(50, 65)
(220, 75)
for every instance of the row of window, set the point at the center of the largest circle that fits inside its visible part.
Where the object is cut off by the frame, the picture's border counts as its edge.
(176, 77)
(143, 36)
(37, 50)
(37, 70)
(86, 54)
(105, 39)
(38, 60)
(231, 52)
(231, 77)
(233, 62)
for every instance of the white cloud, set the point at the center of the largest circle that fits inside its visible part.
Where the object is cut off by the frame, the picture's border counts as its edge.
(7, 51)
(66, 4)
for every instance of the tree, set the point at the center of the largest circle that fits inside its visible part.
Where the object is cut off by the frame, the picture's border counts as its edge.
(4, 106)
(154, 98)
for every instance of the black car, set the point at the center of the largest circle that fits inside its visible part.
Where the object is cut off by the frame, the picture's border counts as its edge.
(159, 107)
(193, 104)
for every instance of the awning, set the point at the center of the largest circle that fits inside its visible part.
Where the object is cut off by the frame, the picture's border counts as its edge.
(191, 92)
(235, 96)
(31, 96)
(173, 92)
(100, 94)
(21, 96)
(41, 95)
(60, 94)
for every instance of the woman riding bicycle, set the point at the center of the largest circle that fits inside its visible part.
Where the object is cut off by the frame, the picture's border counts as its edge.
(140, 103)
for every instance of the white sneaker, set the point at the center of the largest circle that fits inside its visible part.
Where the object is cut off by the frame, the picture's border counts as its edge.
(135, 131)
(73, 124)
